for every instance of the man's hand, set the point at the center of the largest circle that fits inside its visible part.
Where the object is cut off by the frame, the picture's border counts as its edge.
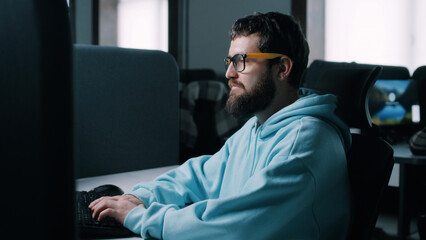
(116, 207)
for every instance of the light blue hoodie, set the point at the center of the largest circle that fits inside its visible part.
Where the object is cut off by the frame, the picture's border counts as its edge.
(284, 179)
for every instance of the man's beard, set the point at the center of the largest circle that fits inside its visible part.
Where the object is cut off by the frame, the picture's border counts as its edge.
(250, 102)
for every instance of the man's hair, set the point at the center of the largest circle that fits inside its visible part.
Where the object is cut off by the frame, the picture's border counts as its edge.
(279, 33)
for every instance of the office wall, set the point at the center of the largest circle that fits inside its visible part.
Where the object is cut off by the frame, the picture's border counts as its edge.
(83, 21)
(208, 24)
(315, 32)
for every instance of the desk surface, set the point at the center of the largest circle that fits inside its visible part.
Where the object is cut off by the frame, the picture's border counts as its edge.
(403, 154)
(125, 181)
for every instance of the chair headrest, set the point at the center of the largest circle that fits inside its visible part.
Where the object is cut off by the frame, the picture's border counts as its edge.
(420, 73)
(351, 84)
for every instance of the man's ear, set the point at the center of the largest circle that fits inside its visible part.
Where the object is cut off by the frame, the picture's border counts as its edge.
(285, 66)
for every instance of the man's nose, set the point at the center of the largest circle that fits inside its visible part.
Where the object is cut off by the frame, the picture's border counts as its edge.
(230, 72)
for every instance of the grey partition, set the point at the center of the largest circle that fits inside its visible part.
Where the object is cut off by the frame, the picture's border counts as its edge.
(125, 109)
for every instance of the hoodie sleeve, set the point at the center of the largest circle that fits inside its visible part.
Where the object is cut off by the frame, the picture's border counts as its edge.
(195, 180)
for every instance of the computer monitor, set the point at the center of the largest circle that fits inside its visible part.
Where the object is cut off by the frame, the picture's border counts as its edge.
(36, 120)
(394, 102)
(394, 105)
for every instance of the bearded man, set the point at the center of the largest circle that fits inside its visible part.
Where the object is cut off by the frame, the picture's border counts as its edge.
(283, 175)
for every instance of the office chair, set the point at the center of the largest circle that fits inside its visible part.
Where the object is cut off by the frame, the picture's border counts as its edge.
(370, 158)
(419, 75)
(370, 163)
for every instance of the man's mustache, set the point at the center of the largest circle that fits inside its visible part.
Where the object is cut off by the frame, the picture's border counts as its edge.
(232, 82)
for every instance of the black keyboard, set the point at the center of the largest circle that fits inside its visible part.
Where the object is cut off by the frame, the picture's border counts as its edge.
(89, 227)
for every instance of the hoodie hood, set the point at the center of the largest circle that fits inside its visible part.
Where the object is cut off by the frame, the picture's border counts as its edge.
(309, 104)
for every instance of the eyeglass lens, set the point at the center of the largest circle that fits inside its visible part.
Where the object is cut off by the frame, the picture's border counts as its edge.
(237, 60)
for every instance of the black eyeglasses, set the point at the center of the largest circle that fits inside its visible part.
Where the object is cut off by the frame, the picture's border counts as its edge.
(239, 60)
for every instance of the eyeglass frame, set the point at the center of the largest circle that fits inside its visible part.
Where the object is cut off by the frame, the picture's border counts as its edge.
(228, 60)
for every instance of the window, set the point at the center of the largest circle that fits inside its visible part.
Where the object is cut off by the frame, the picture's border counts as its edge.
(134, 23)
(387, 32)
